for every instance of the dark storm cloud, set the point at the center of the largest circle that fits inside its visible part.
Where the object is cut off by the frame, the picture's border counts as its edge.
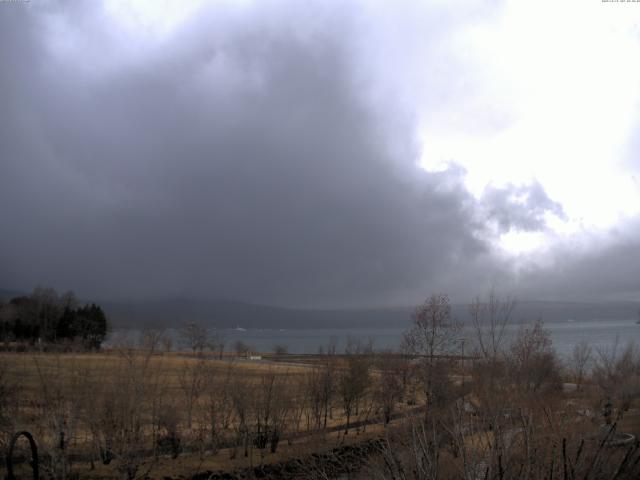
(604, 267)
(241, 160)
(254, 154)
(520, 207)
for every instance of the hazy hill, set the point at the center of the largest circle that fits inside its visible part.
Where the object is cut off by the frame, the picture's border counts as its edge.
(225, 314)
(562, 311)
(6, 295)
(230, 314)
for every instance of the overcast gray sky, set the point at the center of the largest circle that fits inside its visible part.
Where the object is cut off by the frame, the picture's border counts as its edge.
(320, 153)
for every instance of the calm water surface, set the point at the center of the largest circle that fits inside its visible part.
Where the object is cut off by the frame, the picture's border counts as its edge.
(600, 334)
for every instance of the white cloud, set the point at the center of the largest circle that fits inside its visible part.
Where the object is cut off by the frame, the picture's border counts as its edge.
(555, 90)
(155, 17)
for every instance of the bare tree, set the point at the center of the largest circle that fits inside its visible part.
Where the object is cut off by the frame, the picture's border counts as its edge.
(68, 300)
(533, 362)
(433, 336)
(9, 391)
(579, 360)
(59, 385)
(167, 343)
(192, 384)
(327, 379)
(390, 386)
(534, 450)
(270, 410)
(47, 309)
(319, 388)
(354, 378)
(218, 343)
(314, 383)
(241, 392)
(168, 439)
(617, 373)
(490, 317)
(300, 404)
(218, 406)
(151, 338)
(241, 348)
(162, 412)
(119, 411)
(195, 337)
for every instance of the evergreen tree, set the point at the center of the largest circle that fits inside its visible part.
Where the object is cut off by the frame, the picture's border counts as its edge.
(44, 316)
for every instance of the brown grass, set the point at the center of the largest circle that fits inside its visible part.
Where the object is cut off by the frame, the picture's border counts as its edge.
(38, 377)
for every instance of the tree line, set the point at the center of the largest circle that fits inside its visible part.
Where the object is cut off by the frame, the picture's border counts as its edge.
(44, 316)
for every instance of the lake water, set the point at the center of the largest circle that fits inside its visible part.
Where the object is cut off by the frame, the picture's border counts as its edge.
(600, 334)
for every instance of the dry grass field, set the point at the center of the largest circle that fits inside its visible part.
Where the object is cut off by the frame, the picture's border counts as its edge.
(509, 412)
(128, 412)
(132, 413)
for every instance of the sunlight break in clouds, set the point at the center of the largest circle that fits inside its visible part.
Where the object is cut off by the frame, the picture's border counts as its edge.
(563, 81)
(159, 17)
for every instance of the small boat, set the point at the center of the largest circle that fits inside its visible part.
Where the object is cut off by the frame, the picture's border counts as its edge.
(240, 329)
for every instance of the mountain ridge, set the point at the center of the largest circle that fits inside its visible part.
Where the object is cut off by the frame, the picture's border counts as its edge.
(174, 312)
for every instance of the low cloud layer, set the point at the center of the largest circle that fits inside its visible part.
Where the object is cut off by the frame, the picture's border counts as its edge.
(600, 267)
(254, 154)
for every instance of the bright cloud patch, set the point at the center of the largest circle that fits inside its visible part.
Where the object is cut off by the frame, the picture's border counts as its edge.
(557, 92)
